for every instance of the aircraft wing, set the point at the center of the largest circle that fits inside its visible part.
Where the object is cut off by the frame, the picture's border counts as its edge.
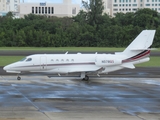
(86, 69)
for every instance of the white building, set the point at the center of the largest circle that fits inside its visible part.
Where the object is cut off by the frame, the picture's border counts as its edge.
(2, 5)
(50, 9)
(131, 5)
(106, 8)
(12, 5)
(9, 5)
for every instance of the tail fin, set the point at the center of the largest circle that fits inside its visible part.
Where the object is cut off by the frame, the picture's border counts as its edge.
(141, 43)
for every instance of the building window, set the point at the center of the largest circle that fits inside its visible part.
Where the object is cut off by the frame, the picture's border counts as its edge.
(115, 5)
(49, 10)
(39, 10)
(45, 10)
(73, 10)
(32, 9)
(134, 4)
(36, 10)
(42, 10)
(134, 9)
(52, 10)
(147, 4)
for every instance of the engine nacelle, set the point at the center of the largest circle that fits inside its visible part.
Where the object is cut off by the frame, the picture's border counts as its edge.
(107, 60)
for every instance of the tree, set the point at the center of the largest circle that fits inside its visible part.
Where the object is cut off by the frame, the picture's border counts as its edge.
(146, 18)
(94, 10)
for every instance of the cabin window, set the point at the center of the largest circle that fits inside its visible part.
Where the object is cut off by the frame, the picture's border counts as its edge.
(29, 59)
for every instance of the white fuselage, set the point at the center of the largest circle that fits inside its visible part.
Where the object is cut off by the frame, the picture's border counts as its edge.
(67, 63)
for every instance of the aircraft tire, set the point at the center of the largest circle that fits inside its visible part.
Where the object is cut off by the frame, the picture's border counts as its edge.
(86, 78)
(18, 78)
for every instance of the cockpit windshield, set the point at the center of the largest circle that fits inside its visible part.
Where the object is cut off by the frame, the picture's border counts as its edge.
(29, 59)
(23, 59)
(26, 59)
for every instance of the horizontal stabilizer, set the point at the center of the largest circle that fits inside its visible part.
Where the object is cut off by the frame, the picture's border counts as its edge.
(128, 65)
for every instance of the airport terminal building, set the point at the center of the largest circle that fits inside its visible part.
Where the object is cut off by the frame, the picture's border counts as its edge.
(50, 9)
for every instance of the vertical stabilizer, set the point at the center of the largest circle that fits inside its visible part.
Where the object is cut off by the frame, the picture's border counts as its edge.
(141, 43)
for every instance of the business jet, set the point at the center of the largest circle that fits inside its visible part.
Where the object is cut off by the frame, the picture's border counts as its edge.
(137, 52)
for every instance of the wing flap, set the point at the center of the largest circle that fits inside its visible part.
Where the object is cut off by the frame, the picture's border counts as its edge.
(90, 69)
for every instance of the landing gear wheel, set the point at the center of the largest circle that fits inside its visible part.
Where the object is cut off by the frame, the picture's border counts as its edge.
(18, 78)
(86, 78)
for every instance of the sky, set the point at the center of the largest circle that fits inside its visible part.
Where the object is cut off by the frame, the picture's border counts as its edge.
(51, 1)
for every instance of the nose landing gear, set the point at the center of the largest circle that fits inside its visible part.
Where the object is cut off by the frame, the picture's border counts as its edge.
(18, 77)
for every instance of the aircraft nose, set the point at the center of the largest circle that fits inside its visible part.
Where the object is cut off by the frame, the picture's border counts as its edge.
(6, 68)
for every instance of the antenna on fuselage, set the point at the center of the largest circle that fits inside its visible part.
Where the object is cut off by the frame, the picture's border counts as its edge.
(66, 52)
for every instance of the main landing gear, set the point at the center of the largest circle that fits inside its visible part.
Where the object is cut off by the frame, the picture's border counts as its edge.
(84, 77)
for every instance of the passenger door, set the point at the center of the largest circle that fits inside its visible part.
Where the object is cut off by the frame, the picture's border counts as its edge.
(43, 63)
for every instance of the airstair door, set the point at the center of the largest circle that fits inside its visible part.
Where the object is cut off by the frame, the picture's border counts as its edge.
(43, 63)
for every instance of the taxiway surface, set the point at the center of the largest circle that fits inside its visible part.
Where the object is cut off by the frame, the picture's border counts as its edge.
(41, 98)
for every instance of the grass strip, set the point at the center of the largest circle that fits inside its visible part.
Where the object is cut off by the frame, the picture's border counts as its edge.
(154, 62)
(5, 60)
